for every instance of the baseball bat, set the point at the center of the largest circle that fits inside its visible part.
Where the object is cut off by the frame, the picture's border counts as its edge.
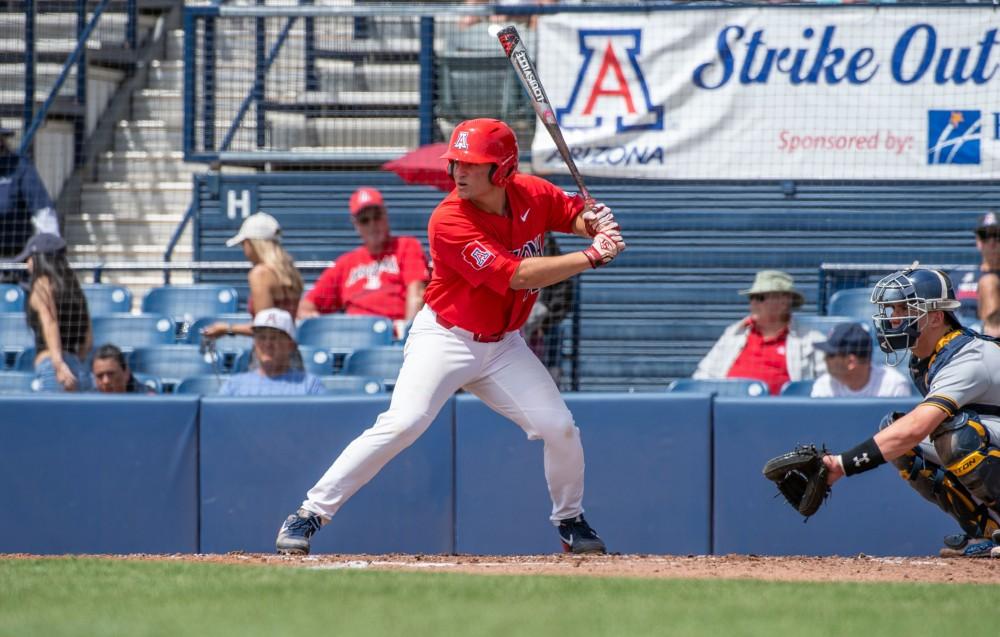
(518, 56)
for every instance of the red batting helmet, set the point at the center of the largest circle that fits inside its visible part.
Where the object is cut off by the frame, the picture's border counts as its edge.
(485, 141)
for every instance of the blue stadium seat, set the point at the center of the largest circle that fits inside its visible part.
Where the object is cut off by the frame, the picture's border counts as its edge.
(15, 335)
(378, 362)
(16, 382)
(151, 382)
(730, 387)
(797, 388)
(11, 298)
(25, 360)
(201, 385)
(188, 303)
(171, 363)
(107, 299)
(131, 331)
(822, 324)
(352, 384)
(317, 361)
(855, 303)
(340, 332)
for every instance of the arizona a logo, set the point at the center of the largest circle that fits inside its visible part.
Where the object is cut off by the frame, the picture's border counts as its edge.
(477, 255)
(462, 143)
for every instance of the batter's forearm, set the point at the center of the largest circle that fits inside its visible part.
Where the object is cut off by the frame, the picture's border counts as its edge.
(540, 272)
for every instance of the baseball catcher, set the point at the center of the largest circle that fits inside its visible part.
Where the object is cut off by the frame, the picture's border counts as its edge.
(948, 447)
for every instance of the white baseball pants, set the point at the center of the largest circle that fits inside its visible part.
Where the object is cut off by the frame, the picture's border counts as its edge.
(505, 375)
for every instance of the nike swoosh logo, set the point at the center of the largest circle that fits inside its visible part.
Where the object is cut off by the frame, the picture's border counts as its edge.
(525, 215)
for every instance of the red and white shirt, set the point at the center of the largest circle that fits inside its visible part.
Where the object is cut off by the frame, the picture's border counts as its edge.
(476, 253)
(364, 283)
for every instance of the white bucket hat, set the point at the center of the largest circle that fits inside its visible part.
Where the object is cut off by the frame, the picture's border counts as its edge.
(276, 319)
(257, 226)
(768, 281)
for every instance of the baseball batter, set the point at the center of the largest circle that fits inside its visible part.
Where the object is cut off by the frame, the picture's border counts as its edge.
(947, 446)
(486, 245)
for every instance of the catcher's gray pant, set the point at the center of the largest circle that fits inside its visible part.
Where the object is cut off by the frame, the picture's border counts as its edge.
(958, 468)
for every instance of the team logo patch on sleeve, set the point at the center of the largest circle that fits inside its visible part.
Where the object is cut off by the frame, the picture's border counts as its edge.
(477, 255)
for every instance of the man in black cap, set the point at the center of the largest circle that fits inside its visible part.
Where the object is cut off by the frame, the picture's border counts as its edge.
(979, 288)
(25, 206)
(849, 369)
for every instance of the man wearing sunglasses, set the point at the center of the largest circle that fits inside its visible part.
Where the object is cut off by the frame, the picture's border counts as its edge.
(385, 276)
(766, 345)
(979, 289)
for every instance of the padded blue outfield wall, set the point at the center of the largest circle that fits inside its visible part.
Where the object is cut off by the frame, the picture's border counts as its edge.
(666, 473)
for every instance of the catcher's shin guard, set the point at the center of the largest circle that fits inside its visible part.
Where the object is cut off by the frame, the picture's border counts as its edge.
(965, 449)
(942, 488)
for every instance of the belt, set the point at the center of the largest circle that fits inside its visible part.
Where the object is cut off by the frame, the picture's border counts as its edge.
(479, 338)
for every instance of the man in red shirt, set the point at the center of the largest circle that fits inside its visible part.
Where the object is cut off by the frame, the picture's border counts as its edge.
(486, 243)
(385, 276)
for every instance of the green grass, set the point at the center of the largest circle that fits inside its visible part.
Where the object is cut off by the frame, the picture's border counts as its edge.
(104, 597)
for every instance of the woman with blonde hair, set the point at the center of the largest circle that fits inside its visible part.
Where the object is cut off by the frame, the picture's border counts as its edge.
(274, 279)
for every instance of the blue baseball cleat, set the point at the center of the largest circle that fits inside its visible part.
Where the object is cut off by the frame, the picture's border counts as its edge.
(293, 538)
(961, 545)
(578, 537)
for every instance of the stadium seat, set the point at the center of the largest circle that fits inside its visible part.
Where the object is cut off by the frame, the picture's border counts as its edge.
(316, 361)
(352, 384)
(821, 324)
(345, 332)
(15, 335)
(11, 298)
(25, 360)
(16, 382)
(107, 299)
(152, 382)
(797, 388)
(130, 331)
(171, 363)
(855, 303)
(378, 362)
(201, 385)
(187, 303)
(730, 387)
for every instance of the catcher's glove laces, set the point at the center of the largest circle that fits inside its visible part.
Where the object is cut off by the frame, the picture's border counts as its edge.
(800, 476)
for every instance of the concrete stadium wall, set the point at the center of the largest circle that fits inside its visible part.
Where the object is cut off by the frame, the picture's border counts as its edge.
(666, 473)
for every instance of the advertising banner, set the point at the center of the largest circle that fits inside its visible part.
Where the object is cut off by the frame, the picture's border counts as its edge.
(775, 93)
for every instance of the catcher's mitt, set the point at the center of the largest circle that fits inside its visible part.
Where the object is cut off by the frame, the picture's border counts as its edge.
(801, 477)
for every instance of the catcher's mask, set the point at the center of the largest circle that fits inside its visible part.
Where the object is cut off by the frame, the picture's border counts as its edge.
(903, 299)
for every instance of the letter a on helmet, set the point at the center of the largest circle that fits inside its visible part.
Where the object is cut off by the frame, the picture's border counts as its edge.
(485, 141)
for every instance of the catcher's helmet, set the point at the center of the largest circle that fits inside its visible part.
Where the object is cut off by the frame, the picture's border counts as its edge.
(922, 290)
(484, 141)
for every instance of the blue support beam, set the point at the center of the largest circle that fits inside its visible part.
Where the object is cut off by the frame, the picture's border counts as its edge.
(426, 112)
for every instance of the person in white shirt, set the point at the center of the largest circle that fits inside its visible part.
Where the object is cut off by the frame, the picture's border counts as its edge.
(850, 373)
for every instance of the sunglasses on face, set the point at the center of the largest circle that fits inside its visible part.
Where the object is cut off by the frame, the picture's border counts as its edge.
(760, 298)
(366, 217)
(986, 235)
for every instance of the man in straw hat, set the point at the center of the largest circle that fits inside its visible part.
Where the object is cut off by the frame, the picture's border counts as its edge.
(766, 345)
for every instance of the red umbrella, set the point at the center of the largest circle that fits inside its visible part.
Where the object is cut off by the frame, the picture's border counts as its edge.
(423, 166)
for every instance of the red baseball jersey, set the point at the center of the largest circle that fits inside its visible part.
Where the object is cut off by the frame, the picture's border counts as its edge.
(476, 253)
(362, 283)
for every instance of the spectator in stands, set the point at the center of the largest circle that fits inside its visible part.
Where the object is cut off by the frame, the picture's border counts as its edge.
(112, 374)
(991, 325)
(766, 345)
(979, 290)
(274, 279)
(385, 276)
(57, 314)
(849, 369)
(25, 206)
(277, 368)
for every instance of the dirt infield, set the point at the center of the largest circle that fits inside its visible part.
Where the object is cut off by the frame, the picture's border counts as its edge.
(820, 569)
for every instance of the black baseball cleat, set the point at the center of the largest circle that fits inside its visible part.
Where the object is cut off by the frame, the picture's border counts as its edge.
(578, 537)
(293, 538)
